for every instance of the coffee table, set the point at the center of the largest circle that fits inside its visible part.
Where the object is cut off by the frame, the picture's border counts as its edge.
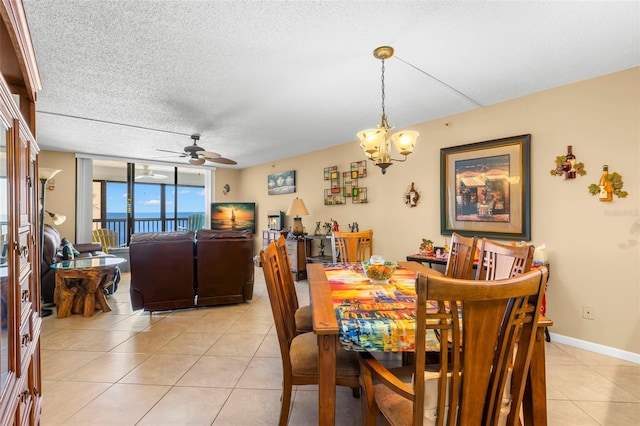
(80, 284)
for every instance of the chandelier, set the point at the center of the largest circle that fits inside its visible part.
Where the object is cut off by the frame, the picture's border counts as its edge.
(376, 143)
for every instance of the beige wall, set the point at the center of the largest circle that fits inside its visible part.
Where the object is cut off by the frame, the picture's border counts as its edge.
(229, 177)
(593, 247)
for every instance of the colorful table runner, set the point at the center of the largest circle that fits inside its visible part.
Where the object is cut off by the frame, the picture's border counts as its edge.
(374, 317)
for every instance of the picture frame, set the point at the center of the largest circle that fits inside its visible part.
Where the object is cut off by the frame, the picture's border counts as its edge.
(281, 183)
(233, 216)
(485, 189)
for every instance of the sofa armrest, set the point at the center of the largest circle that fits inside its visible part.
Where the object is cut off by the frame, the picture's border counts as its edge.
(85, 247)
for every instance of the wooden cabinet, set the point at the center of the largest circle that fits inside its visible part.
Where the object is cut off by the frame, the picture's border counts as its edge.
(20, 377)
(296, 250)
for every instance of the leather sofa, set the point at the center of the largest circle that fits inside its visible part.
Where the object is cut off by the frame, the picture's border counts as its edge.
(52, 253)
(224, 266)
(183, 269)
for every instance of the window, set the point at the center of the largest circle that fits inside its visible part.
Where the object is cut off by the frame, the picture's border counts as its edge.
(157, 202)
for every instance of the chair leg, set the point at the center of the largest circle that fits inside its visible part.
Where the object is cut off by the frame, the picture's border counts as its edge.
(287, 387)
(355, 392)
(370, 410)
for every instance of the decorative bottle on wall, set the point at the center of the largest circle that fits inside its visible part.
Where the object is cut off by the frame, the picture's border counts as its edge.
(606, 187)
(570, 164)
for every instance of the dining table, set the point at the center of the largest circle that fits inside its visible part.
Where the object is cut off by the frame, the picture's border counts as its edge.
(348, 315)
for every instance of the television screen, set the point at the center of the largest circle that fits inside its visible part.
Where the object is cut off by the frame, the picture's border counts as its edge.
(233, 216)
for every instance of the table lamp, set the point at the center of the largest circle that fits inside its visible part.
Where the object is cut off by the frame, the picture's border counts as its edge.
(297, 209)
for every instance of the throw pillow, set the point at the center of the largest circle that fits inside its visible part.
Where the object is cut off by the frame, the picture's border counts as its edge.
(68, 251)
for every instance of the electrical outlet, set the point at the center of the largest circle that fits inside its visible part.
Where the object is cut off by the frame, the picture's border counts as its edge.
(589, 312)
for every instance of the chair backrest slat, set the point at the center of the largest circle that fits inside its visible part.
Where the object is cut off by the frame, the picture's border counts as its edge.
(287, 275)
(461, 256)
(195, 221)
(499, 261)
(350, 247)
(106, 237)
(283, 316)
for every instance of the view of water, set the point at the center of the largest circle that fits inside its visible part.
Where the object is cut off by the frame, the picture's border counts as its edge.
(145, 222)
(148, 215)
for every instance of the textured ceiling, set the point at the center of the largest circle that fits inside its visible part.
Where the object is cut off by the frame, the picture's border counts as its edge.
(264, 80)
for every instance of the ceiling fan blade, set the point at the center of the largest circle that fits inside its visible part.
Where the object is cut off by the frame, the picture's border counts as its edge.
(181, 154)
(209, 154)
(222, 160)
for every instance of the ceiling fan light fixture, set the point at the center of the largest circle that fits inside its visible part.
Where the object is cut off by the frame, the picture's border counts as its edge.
(196, 161)
(147, 173)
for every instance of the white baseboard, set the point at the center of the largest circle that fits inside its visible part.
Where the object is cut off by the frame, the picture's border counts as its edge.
(594, 347)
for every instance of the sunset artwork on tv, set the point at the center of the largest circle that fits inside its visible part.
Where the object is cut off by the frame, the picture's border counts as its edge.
(233, 216)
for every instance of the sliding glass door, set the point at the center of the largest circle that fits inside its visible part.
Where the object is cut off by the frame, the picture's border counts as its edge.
(162, 197)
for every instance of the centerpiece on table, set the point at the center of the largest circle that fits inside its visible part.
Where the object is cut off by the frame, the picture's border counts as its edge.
(378, 270)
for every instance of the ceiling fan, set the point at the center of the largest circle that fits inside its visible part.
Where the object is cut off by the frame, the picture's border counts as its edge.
(147, 173)
(197, 154)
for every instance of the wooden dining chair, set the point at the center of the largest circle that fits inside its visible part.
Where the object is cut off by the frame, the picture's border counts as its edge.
(350, 247)
(482, 381)
(498, 261)
(299, 352)
(302, 314)
(461, 256)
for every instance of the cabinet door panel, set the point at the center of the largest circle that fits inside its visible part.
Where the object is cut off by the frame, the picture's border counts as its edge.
(24, 251)
(5, 250)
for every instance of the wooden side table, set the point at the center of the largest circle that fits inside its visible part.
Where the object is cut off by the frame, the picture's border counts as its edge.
(80, 284)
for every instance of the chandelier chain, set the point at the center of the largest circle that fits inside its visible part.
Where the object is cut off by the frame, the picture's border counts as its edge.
(382, 80)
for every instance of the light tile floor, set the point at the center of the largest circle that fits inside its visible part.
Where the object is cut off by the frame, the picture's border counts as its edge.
(221, 366)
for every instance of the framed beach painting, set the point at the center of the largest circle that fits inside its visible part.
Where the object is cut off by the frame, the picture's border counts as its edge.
(485, 189)
(233, 216)
(282, 183)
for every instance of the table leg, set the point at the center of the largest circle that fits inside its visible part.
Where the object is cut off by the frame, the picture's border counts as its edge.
(64, 296)
(100, 296)
(93, 286)
(327, 380)
(534, 404)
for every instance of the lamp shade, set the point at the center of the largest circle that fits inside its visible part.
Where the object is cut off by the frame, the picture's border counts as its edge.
(45, 173)
(370, 140)
(297, 208)
(58, 219)
(405, 141)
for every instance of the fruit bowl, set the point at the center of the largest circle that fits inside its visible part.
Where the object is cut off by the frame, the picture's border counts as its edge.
(379, 273)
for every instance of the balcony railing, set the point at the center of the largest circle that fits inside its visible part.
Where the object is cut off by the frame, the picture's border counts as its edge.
(141, 225)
